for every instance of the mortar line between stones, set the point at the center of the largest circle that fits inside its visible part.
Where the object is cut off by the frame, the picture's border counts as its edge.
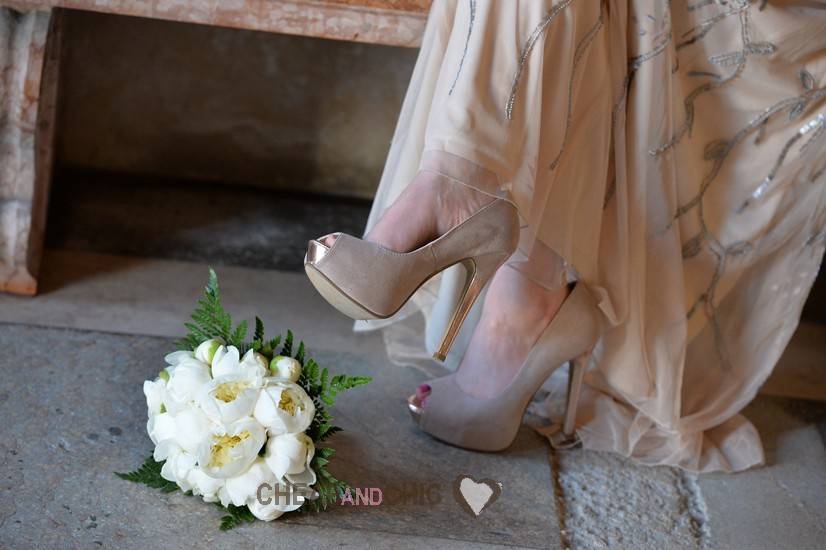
(559, 497)
(695, 507)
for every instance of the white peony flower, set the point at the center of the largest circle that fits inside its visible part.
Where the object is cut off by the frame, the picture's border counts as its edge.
(177, 468)
(174, 433)
(285, 368)
(284, 407)
(273, 499)
(243, 488)
(205, 485)
(161, 427)
(229, 451)
(255, 363)
(206, 350)
(289, 456)
(229, 398)
(182, 468)
(186, 378)
(176, 357)
(192, 426)
(218, 354)
(155, 392)
(227, 362)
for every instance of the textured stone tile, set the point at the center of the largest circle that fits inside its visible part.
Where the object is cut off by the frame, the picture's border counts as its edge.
(74, 413)
(155, 297)
(782, 505)
(608, 501)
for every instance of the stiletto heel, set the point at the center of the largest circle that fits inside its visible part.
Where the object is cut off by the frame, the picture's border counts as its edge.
(480, 270)
(366, 281)
(564, 436)
(491, 424)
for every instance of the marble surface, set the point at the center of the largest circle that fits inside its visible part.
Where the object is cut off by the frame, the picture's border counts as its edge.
(391, 22)
(24, 157)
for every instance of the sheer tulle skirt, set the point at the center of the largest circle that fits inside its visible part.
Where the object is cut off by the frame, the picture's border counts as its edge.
(668, 157)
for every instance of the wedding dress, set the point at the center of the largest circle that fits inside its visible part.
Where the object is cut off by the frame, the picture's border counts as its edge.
(670, 155)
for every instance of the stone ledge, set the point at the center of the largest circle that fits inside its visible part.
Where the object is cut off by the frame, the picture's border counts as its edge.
(388, 22)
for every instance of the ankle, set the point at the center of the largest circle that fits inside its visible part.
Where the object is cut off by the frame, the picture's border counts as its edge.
(513, 294)
(428, 208)
(453, 202)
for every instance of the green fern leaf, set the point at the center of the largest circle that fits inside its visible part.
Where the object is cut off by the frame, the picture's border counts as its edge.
(236, 515)
(287, 348)
(149, 474)
(258, 336)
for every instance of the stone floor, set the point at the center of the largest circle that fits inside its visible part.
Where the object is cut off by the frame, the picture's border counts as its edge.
(78, 416)
(75, 356)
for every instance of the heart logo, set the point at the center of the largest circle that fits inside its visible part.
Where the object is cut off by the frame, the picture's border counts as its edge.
(474, 496)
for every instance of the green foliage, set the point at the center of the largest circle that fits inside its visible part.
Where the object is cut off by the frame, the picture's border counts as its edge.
(236, 515)
(323, 390)
(211, 320)
(268, 349)
(328, 487)
(150, 474)
(287, 348)
(258, 336)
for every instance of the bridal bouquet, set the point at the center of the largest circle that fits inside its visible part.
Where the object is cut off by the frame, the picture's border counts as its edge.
(239, 423)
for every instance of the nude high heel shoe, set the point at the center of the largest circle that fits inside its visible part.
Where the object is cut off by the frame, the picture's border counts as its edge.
(366, 281)
(491, 424)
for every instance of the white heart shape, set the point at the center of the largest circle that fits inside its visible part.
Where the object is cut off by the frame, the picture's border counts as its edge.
(476, 494)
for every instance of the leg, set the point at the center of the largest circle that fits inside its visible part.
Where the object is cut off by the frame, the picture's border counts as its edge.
(27, 106)
(523, 298)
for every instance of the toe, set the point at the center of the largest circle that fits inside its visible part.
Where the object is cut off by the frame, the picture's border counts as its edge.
(419, 399)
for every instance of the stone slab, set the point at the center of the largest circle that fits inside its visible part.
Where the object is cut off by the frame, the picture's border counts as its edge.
(74, 413)
(390, 22)
(154, 297)
(781, 505)
(608, 501)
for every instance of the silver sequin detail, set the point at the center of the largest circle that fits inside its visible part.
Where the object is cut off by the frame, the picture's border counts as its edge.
(636, 62)
(578, 53)
(526, 50)
(732, 59)
(816, 126)
(471, 19)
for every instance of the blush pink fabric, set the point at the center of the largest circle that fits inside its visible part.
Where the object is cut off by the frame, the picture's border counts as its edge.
(672, 156)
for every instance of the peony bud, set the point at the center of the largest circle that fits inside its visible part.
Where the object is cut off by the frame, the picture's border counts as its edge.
(206, 351)
(285, 368)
